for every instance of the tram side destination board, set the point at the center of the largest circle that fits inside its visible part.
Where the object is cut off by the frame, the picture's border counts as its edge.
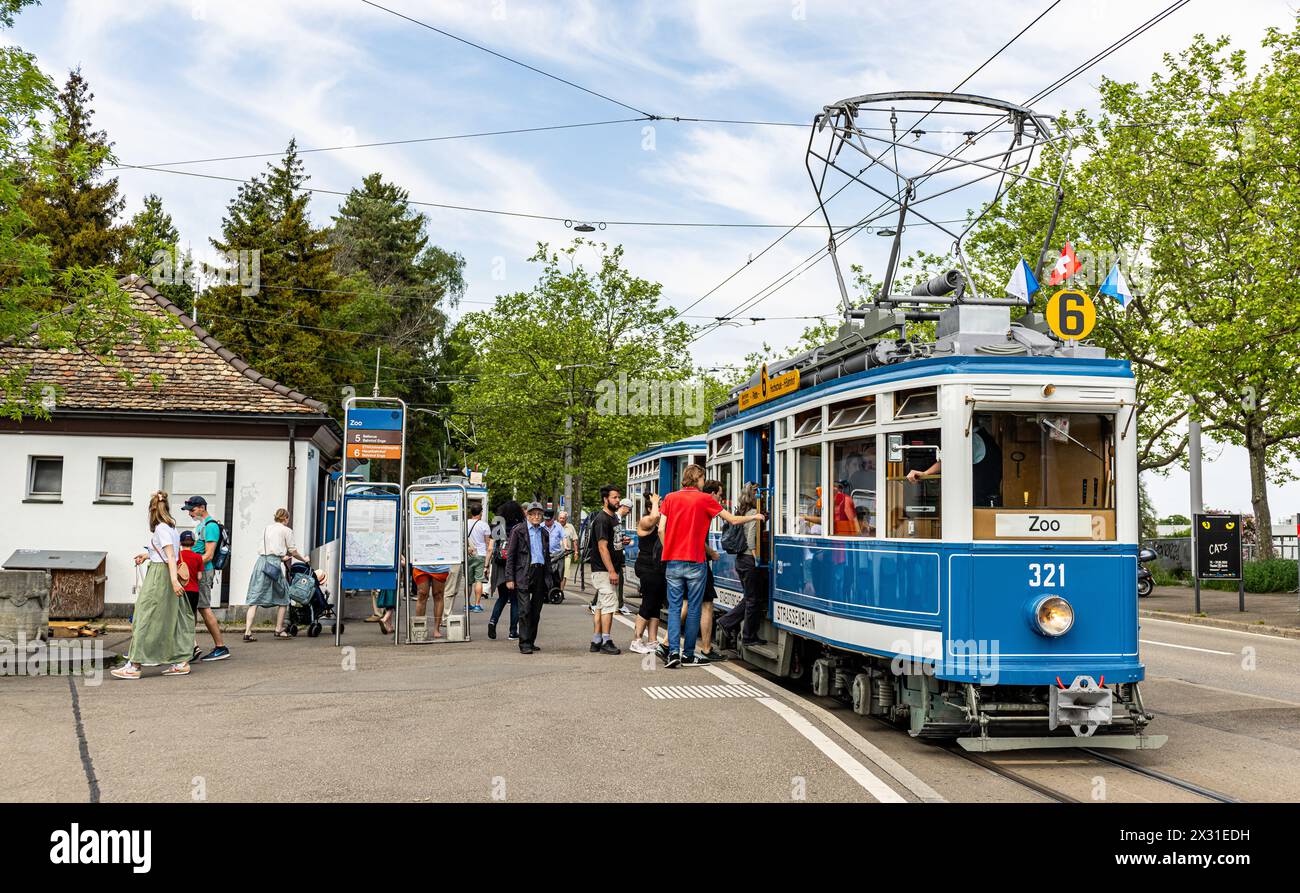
(374, 434)
(1218, 546)
(769, 388)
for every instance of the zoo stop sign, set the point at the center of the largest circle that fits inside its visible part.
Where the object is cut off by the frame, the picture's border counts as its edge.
(1218, 546)
(1071, 314)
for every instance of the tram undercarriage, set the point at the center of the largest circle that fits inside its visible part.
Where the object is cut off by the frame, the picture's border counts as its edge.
(976, 717)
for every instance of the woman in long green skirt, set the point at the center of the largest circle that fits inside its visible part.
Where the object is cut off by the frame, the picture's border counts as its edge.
(163, 629)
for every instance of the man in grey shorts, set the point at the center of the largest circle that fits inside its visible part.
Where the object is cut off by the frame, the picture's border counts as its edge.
(207, 534)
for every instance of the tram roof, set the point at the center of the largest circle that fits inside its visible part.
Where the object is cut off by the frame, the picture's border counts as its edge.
(686, 445)
(931, 367)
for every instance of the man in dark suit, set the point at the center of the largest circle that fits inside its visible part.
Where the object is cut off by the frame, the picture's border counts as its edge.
(528, 574)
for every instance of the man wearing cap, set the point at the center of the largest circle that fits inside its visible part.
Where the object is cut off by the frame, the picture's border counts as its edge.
(528, 573)
(207, 534)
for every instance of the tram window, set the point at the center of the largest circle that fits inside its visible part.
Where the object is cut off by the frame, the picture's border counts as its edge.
(809, 513)
(853, 482)
(1043, 475)
(914, 506)
(723, 473)
(782, 429)
(916, 402)
(785, 487)
(808, 422)
(851, 413)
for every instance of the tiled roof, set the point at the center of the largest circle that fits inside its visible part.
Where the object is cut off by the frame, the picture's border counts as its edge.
(195, 373)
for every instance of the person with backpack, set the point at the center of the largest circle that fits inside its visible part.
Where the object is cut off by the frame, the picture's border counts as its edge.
(212, 543)
(742, 541)
(510, 515)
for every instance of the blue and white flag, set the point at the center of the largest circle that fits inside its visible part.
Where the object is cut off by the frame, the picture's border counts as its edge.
(1022, 284)
(1117, 286)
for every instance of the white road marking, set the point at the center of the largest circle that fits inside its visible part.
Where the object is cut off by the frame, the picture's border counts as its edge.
(838, 755)
(1185, 647)
(858, 772)
(892, 767)
(1221, 629)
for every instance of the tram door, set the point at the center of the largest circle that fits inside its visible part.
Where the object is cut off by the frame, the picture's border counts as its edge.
(757, 467)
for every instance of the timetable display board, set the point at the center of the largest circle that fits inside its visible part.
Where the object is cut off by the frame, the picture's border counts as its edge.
(371, 532)
(437, 529)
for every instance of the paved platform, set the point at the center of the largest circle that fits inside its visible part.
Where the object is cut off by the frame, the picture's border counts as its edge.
(302, 720)
(1274, 612)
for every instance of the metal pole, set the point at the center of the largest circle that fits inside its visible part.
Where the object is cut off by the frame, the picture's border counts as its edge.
(1194, 472)
(568, 448)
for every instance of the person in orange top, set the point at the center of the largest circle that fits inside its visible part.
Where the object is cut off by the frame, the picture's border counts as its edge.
(846, 513)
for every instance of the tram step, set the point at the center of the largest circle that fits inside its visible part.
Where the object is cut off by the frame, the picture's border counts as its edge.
(767, 651)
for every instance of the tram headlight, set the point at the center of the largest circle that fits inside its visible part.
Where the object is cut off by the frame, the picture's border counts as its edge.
(1052, 616)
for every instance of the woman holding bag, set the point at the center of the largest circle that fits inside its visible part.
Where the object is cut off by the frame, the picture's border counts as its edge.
(268, 585)
(163, 630)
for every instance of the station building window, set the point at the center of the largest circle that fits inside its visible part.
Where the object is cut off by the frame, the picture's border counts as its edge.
(853, 483)
(912, 484)
(45, 478)
(1043, 475)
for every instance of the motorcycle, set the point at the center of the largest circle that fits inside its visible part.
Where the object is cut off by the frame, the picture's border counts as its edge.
(1146, 582)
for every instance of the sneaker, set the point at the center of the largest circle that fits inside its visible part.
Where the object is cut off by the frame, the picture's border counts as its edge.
(662, 650)
(513, 636)
(595, 646)
(674, 660)
(714, 654)
(126, 671)
(591, 609)
(477, 609)
(198, 652)
(626, 609)
(753, 641)
(492, 630)
(216, 654)
(696, 660)
(181, 669)
(608, 647)
(641, 647)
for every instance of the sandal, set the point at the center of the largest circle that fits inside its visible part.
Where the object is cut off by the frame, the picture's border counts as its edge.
(385, 629)
(249, 637)
(281, 634)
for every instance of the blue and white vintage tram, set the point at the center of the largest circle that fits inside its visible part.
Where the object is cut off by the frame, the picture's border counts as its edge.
(952, 535)
(657, 469)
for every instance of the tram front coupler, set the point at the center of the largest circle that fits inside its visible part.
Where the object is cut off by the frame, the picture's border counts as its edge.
(1084, 706)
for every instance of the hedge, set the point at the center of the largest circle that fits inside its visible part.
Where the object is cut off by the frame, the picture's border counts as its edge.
(1273, 575)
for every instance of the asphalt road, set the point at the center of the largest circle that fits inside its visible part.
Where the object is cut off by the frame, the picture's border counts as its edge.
(301, 720)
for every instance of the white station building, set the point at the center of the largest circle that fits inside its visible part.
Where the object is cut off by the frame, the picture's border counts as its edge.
(196, 420)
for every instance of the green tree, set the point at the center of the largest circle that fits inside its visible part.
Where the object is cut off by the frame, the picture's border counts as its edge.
(284, 313)
(552, 365)
(76, 209)
(152, 250)
(404, 287)
(43, 300)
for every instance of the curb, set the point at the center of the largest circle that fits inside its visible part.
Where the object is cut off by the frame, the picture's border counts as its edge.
(1284, 631)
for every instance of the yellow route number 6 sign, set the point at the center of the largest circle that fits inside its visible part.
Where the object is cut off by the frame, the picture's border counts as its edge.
(1071, 314)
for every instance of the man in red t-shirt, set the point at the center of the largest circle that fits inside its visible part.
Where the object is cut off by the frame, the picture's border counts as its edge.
(683, 524)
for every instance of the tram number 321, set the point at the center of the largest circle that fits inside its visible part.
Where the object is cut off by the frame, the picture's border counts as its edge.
(1047, 576)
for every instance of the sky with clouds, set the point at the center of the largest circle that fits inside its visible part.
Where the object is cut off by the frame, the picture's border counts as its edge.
(179, 80)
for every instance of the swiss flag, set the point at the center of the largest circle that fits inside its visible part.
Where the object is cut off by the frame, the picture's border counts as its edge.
(1066, 266)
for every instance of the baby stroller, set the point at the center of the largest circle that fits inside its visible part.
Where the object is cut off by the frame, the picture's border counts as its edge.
(307, 602)
(555, 595)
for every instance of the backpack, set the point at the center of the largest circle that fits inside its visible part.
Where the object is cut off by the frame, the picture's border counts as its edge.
(221, 555)
(734, 541)
(499, 541)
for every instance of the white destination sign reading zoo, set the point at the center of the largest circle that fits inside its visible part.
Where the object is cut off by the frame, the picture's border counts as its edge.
(1043, 524)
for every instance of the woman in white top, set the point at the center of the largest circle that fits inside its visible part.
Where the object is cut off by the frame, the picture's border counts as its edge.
(163, 628)
(268, 585)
